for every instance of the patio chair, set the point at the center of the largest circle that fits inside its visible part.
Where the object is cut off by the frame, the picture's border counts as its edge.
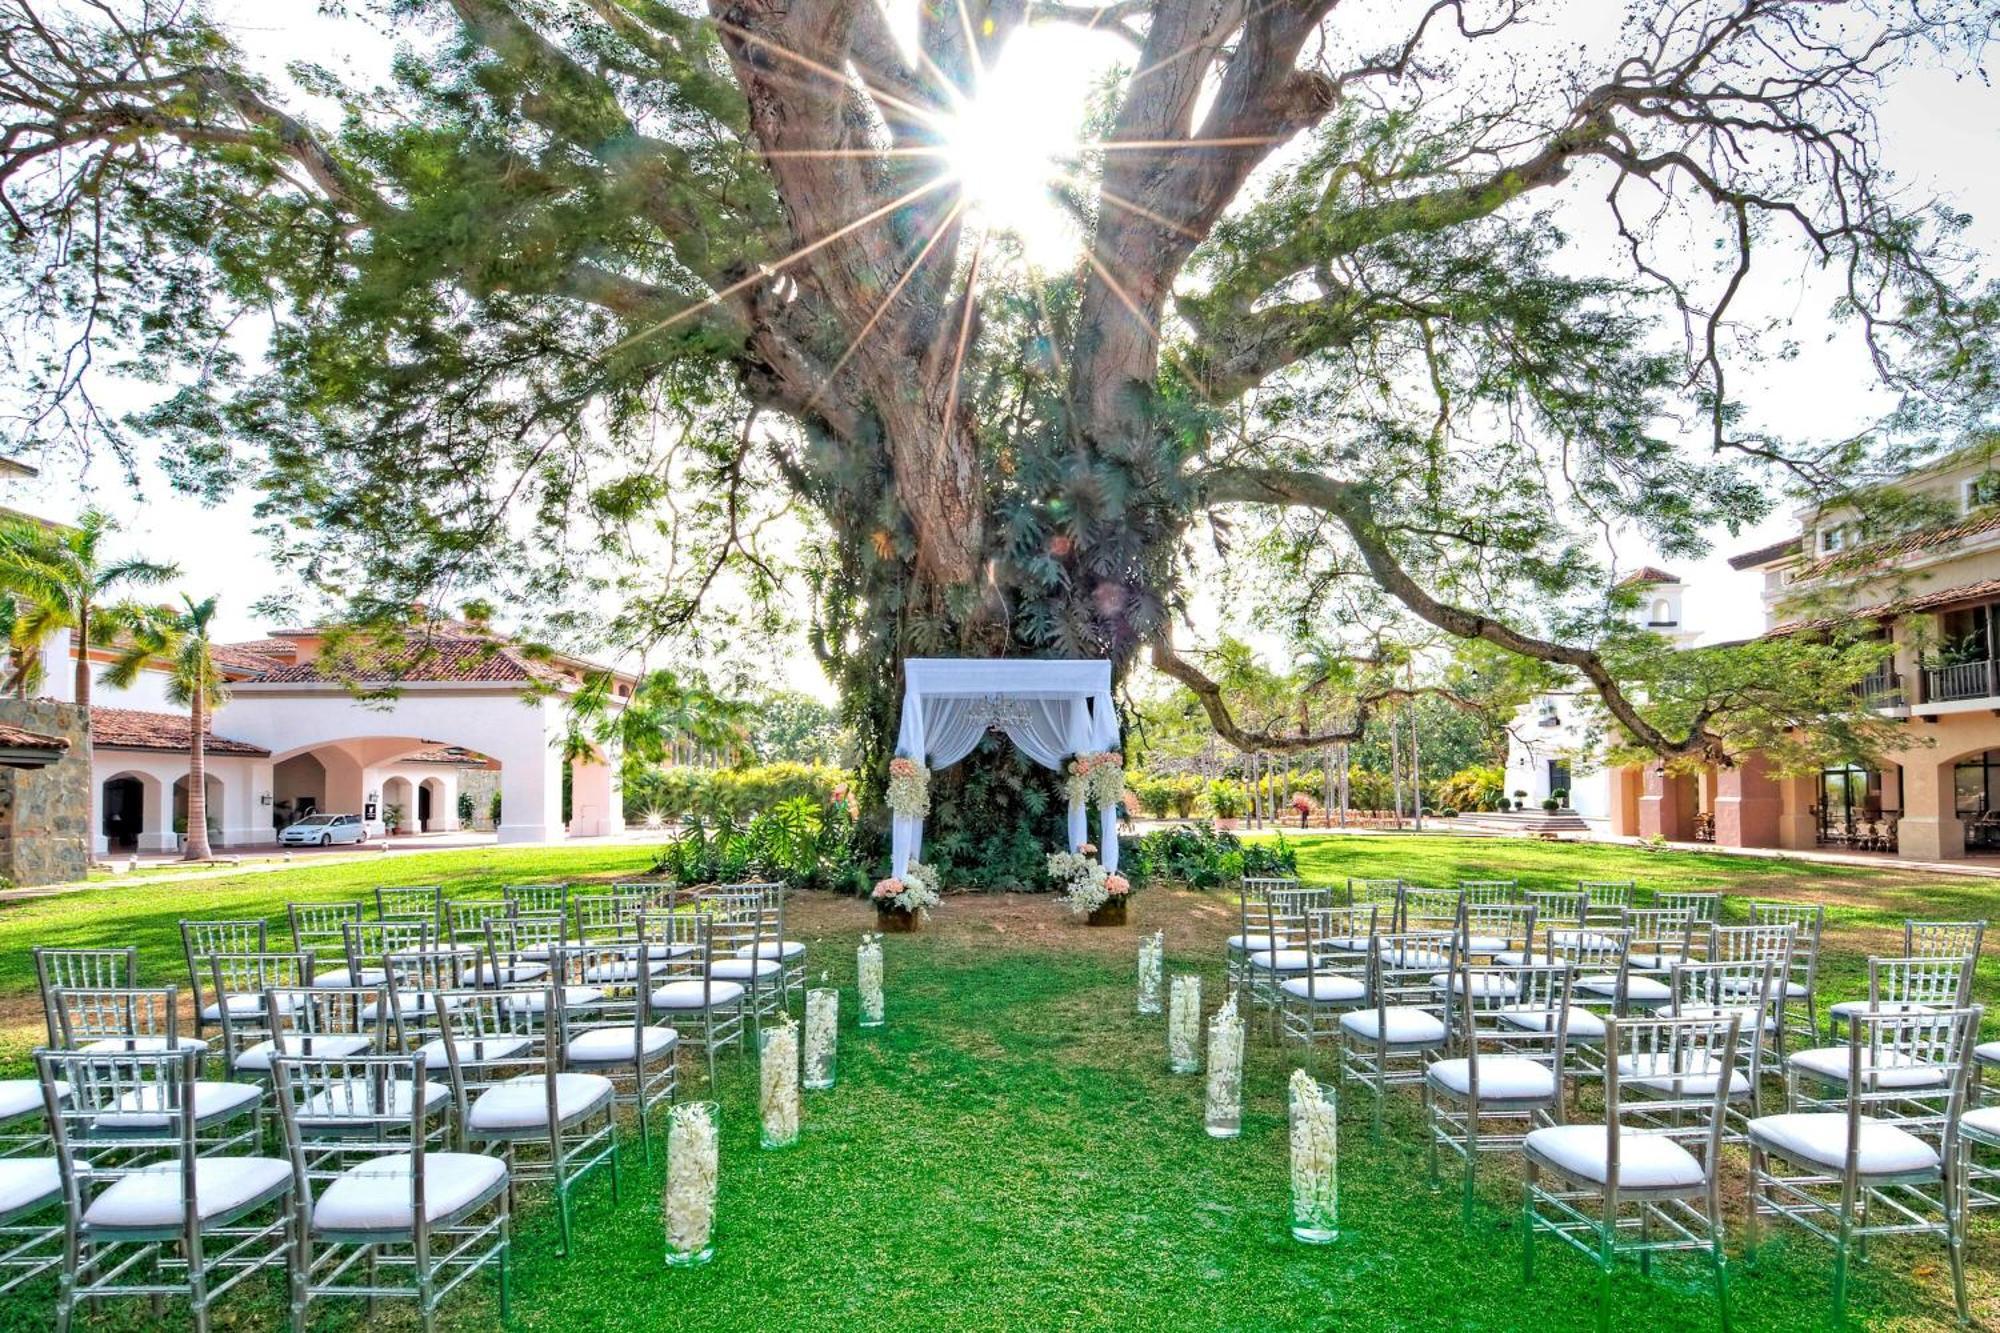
(519, 948)
(537, 899)
(687, 993)
(1600, 956)
(519, 1097)
(415, 977)
(1800, 985)
(369, 943)
(606, 918)
(1908, 986)
(1496, 932)
(1422, 909)
(792, 953)
(1746, 992)
(241, 982)
(1336, 941)
(320, 929)
(410, 902)
(1773, 944)
(1383, 893)
(373, 1198)
(199, 939)
(1615, 1189)
(1507, 1072)
(1944, 939)
(1253, 931)
(81, 969)
(613, 1037)
(1606, 900)
(1875, 1164)
(1389, 1041)
(161, 1216)
(136, 1019)
(321, 1021)
(465, 921)
(1700, 904)
(1556, 910)
(744, 925)
(1490, 890)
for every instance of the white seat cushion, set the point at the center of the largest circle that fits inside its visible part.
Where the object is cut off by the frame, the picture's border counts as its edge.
(1261, 939)
(1639, 990)
(1982, 1124)
(332, 1046)
(142, 1045)
(1583, 1025)
(614, 1045)
(1284, 960)
(1879, 1069)
(1503, 1078)
(515, 973)
(1653, 962)
(1415, 958)
(1645, 1160)
(212, 1102)
(1486, 944)
(1819, 1139)
(1324, 988)
(1583, 939)
(786, 950)
(355, 1100)
(523, 1103)
(1694, 1075)
(23, 1096)
(1486, 984)
(240, 1006)
(1745, 1016)
(151, 1197)
(28, 1183)
(1513, 958)
(407, 1005)
(472, 1051)
(1987, 1052)
(693, 994)
(375, 1195)
(742, 969)
(1852, 1008)
(340, 978)
(537, 1000)
(612, 973)
(1405, 1026)
(1347, 943)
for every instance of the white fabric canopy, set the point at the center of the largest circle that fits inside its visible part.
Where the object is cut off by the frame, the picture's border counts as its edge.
(1051, 710)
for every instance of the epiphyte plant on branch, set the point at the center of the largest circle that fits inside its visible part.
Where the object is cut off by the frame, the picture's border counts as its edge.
(1326, 275)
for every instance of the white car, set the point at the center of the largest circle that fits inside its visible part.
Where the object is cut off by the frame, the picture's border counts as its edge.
(323, 831)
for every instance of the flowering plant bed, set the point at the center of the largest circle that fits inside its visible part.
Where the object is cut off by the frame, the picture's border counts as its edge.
(1089, 889)
(902, 904)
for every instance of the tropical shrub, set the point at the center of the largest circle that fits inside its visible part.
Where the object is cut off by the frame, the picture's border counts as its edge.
(1474, 788)
(1226, 798)
(1202, 857)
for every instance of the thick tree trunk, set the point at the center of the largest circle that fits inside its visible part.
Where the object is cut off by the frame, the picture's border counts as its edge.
(197, 800)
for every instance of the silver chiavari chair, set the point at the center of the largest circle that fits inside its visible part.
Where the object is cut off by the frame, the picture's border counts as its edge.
(537, 899)
(199, 939)
(1760, 943)
(605, 918)
(1253, 931)
(792, 953)
(1599, 963)
(1700, 904)
(1909, 986)
(519, 948)
(1557, 911)
(411, 902)
(686, 993)
(1490, 890)
(1389, 1041)
(135, 1019)
(1422, 909)
(1605, 901)
(465, 920)
(369, 944)
(1662, 939)
(315, 1020)
(374, 1197)
(81, 969)
(1497, 932)
(320, 929)
(1879, 1158)
(1383, 894)
(1943, 939)
(1281, 954)
(241, 982)
(414, 977)
(1336, 940)
(154, 1207)
(1745, 991)
(1800, 986)
(1506, 1073)
(742, 928)
(1622, 1188)
(614, 1038)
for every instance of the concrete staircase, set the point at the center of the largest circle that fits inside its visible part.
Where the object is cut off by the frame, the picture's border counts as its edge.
(1563, 823)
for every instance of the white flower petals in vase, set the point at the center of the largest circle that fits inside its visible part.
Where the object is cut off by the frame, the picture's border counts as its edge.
(1224, 1112)
(687, 1205)
(822, 1035)
(1152, 957)
(1184, 1025)
(868, 979)
(1315, 1160)
(778, 1085)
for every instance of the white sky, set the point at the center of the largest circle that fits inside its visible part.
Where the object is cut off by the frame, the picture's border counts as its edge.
(1941, 137)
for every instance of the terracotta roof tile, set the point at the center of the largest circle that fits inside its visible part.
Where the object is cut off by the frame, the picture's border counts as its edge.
(235, 657)
(1764, 555)
(1983, 590)
(447, 754)
(433, 657)
(131, 729)
(1877, 553)
(17, 738)
(1647, 576)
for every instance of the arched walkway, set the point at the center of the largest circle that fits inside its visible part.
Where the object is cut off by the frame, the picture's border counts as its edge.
(129, 806)
(213, 790)
(434, 814)
(399, 805)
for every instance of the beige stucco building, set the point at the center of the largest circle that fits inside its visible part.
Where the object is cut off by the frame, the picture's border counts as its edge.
(1935, 592)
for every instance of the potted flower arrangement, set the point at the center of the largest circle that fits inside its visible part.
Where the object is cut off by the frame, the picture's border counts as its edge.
(902, 904)
(1088, 889)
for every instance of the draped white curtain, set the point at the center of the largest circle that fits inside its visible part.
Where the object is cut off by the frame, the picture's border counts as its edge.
(1067, 708)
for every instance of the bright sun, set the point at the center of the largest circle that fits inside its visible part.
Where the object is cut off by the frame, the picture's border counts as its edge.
(1010, 144)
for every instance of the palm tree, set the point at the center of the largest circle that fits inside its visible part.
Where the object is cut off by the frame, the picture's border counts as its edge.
(61, 578)
(181, 639)
(23, 659)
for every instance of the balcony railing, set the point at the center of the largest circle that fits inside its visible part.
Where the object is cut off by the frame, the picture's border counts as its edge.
(1883, 689)
(1965, 680)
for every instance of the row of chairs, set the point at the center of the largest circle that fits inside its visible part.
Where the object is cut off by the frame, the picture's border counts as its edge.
(1502, 1007)
(417, 1081)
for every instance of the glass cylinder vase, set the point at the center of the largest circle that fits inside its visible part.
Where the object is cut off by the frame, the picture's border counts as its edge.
(1223, 1113)
(778, 1085)
(687, 1204)
(868, 979)
(822, 1036)
(1315, 1149)
(1184, 1025)
(1152, 957)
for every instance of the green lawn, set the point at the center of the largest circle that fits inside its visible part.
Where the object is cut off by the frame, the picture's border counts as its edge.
(1010, 1153)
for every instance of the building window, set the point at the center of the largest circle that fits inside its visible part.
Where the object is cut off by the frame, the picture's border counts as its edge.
(1663, 614)
(1550, 718)
(1849, 794)
(1833, 539)
(1982, 490)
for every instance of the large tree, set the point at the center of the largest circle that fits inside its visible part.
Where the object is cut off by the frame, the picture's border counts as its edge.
(584, 276)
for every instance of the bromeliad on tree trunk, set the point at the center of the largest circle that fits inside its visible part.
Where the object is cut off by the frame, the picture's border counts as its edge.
(583, 280)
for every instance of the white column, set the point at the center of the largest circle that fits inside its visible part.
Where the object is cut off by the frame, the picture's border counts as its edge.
(531, 778)
(444, 805)
(596, 809)
(157, 811)
(246, 813)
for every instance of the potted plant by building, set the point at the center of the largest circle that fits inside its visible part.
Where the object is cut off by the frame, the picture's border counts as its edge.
(1088, 889)
(1561, 797)
(1225, 798)
(1550, 805)
(902, 903)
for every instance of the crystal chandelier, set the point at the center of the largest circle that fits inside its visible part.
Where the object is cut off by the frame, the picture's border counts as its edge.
(997, 713)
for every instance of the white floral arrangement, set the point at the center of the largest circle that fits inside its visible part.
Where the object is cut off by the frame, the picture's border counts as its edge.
(1184, 1025)
(688, 1201)
(1096, 777)
(1152, 958)
(1086, 885)
(1315, 1160)
(778, 1085)
(822, 1034)
(916, 890)
(868, 979)
(1225, 1071)
(909, 788)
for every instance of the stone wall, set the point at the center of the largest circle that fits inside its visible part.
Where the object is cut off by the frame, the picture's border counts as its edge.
(45, 812)
(480, 784)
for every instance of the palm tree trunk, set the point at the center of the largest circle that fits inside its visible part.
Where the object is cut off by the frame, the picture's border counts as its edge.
(197, 803)
(82, 647)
